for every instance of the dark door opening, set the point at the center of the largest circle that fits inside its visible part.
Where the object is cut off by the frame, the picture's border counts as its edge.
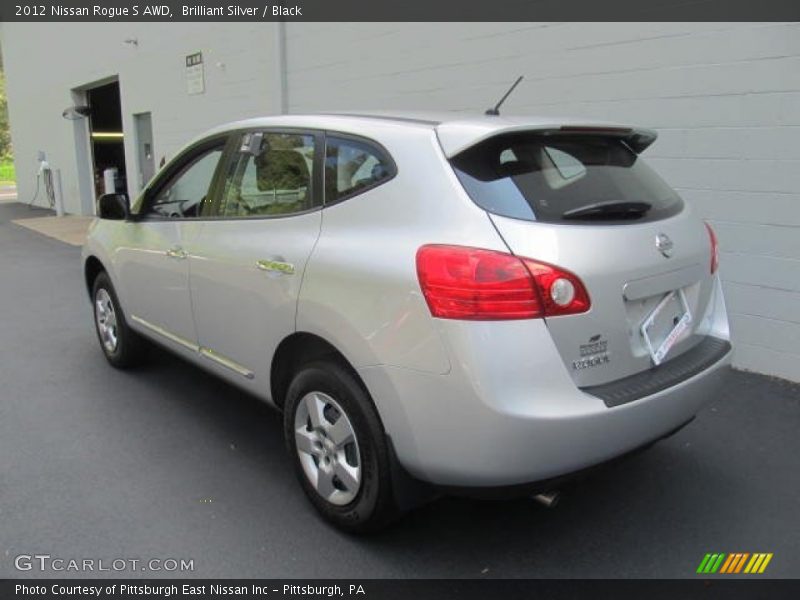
(107, 140)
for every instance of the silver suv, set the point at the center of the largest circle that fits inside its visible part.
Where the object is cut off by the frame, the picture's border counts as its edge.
(436, 303)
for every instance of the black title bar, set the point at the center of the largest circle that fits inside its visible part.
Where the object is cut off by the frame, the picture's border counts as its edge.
(404, 10)
(380, 589)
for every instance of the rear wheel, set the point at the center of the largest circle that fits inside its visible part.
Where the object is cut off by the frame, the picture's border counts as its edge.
(338, 447)
(121, 345)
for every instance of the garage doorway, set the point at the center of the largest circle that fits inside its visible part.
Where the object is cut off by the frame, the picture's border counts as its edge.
(106, 136)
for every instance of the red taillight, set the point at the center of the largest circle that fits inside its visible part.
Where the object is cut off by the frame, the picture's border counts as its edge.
(562, 292)
(714, 249)
(484, 285)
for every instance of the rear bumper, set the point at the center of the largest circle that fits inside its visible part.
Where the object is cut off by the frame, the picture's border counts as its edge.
(497, 421)
(531, 488)
(692, 362)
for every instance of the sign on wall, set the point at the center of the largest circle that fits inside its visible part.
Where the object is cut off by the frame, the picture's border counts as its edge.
(195, 80)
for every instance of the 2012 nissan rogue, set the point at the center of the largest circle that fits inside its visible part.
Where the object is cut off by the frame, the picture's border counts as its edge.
(449, 302)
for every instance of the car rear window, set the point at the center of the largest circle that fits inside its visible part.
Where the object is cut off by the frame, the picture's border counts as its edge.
(564, 179)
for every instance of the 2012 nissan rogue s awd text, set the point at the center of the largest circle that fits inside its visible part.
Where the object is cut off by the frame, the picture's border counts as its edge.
(449, 302)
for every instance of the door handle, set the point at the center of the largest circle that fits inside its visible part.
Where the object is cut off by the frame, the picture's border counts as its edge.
(275, 266)
(176, 252)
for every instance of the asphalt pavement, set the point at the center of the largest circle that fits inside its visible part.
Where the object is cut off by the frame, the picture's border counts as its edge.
(168, 462)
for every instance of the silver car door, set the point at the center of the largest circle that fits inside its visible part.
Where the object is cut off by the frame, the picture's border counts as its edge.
(247, 263)
(152, 263)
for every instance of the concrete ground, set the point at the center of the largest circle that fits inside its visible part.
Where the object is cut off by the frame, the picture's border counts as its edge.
(8, 193)
(168, 462)
(70, 229)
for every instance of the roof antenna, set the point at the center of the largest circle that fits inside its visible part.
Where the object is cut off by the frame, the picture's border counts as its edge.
(495, 112)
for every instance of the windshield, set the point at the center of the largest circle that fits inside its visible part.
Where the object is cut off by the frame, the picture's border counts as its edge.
(565, 178)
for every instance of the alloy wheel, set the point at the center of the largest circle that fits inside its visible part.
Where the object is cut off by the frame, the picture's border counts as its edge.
(106, 319)
(327, 448)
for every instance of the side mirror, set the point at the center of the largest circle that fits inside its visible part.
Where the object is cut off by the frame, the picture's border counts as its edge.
(113, 206)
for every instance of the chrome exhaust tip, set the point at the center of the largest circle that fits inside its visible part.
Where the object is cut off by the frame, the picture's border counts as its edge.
(547, 499)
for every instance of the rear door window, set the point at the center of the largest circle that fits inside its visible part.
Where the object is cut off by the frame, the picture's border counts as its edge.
(564, 179)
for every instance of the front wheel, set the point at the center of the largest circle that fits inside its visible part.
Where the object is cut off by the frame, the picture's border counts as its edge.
(121, 345)
(338, 447)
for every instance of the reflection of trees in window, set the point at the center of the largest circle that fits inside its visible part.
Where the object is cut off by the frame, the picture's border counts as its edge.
(286, 141)
(277, 180)
(278, 169)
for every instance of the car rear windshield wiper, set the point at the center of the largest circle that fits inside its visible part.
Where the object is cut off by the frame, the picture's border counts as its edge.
(613, 209)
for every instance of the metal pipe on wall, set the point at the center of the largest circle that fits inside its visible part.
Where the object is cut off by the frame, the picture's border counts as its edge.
(281, 79)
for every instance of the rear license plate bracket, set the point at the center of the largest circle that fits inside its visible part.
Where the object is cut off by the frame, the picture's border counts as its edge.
(665, 324)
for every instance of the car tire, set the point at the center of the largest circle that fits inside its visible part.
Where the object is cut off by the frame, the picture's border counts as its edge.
(320, 395)
(121, 346)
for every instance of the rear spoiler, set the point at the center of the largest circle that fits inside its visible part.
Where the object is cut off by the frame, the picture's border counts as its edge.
(457, 136)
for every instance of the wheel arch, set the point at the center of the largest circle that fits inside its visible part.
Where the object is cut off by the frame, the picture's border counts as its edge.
(92, 267)
(303, 347)
(297, 349)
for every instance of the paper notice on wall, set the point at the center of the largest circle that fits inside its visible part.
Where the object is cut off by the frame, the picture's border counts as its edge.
(195, 78)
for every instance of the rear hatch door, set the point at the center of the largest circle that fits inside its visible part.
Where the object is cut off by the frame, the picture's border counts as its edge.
(582, 199)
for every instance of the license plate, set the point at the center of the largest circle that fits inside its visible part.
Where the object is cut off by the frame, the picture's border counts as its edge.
(665, 325)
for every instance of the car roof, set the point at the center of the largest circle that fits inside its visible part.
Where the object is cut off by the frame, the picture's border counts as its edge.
(456, 131)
